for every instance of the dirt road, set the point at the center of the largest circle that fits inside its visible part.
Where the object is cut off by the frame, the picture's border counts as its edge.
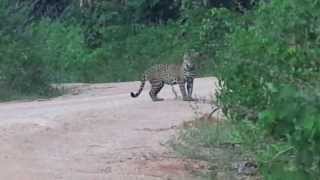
(99, 133)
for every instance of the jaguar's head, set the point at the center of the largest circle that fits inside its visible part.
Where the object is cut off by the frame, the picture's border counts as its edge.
(189, 59)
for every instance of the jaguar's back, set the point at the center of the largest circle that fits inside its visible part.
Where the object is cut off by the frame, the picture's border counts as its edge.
(168, 73)
(171, 74)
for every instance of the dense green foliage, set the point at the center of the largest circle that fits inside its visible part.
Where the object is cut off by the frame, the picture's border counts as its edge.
(23, 70)
(269, 72)
(44, 41)
(39, 48)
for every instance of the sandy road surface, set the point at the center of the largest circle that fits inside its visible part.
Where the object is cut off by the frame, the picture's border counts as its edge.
(100, 133)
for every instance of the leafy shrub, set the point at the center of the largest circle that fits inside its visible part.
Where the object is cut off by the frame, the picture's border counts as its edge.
(270, 68)
(127, 52)
(23, 70)
(64, 49)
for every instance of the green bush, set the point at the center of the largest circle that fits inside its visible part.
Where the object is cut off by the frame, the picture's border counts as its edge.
(127, 51)
(23, 70)
(269, 72)
(64, 49)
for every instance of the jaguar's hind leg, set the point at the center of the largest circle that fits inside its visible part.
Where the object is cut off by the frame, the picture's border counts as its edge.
(156, 86)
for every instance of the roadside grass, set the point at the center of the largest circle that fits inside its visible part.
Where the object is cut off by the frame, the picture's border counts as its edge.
(12, 95)
(213, 141)
(223, 144)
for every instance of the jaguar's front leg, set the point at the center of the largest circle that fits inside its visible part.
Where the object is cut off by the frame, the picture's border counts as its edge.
(190, 86)
(185, 97)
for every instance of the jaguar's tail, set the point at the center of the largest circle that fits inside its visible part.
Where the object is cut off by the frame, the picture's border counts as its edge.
(143, 82)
